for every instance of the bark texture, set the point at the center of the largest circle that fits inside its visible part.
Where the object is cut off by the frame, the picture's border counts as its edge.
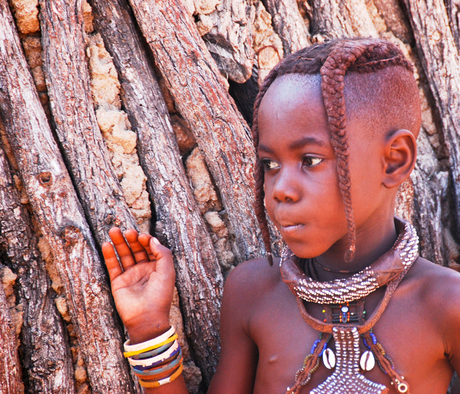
(60, 218)
(199, 278)
(200, 95)
(67, 77)
(69, 160)
(10, 370)
(44, 347)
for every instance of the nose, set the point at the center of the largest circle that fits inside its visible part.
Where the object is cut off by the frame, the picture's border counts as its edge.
(285, 187)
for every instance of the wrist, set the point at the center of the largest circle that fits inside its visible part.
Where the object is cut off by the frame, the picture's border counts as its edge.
(145, 332)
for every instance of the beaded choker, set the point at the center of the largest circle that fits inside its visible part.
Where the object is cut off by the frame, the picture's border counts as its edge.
(388, 270)
(397, 260)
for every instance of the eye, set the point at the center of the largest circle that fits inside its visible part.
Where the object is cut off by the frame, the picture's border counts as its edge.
(269, 164)
(310, 161)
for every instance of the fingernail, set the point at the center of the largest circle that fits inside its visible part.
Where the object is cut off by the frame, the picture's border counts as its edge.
(156, 241)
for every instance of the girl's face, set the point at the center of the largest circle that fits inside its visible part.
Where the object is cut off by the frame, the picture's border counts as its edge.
(302, 195)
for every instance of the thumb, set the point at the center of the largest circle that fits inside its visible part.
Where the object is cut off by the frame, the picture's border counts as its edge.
(163, 257)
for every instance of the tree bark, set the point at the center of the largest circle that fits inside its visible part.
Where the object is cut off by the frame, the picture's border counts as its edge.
(67, 79)
(342, 19)
(229, 41)
(439, 57)
(199, 279)
(10, 370)
(60, 217)
(289, 25)
(199, 93)
(47, 365)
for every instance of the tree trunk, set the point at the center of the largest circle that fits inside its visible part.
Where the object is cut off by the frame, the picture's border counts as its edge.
(67, 78)
(199, 278)
(60, 218)
(289, 25)
(10, 370)
(200, 95)
(46, 352)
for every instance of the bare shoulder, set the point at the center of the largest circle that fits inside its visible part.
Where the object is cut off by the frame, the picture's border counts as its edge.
(250, 281)
(438, 288)
(435, 281)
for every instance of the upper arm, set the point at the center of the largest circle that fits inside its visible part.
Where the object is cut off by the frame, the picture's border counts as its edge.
(237, 366)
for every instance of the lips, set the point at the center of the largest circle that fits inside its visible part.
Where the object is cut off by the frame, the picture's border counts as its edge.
(288, 228)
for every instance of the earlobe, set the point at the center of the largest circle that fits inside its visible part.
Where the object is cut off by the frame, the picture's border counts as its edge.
(400, 156)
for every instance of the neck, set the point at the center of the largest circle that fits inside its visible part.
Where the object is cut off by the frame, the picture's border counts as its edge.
(372, 241)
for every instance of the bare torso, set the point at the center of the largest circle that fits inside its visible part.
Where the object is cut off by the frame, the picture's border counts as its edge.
(417, 330)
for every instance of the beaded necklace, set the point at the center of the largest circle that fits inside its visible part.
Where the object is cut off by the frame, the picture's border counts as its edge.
(388, 270)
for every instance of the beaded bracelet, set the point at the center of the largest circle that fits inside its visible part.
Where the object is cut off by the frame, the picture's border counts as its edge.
(148, 362)
(163, 381)
(156, 362)
(158, 370)
(133, 350)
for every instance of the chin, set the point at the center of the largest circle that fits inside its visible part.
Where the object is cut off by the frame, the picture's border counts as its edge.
(303, 251)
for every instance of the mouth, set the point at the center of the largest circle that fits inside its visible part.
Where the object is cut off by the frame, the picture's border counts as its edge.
(290, 228)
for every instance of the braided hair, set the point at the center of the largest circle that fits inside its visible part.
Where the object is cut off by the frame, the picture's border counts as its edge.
(331, 60)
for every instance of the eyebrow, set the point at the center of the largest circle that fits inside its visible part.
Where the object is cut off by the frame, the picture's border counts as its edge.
(297, 144)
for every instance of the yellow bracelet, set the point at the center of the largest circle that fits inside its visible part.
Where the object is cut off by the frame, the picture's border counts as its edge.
(161, 382)
(147, 349)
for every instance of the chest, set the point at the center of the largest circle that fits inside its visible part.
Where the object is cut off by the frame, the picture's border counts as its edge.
(286, 340)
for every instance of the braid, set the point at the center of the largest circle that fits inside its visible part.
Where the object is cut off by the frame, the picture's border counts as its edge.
(331, 60)
(332, 86)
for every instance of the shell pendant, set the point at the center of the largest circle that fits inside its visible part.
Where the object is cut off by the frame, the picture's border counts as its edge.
(346, 378)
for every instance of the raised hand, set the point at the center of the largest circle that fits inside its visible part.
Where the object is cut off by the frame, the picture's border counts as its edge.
(143, 285)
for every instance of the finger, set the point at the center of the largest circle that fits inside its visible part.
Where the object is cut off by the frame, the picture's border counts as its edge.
(163, 256)
(144, 239)
(122, 248)
(138, 251)
(111, 261)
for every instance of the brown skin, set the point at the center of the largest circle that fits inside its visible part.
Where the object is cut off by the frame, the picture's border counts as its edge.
(264, 339)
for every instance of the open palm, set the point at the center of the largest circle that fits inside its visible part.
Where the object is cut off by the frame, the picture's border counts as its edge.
(143, 284)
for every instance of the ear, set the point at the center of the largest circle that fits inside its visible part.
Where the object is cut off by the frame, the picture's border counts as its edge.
(400, 156)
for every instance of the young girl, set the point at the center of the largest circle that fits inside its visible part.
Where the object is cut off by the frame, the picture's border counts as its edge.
(350, 307)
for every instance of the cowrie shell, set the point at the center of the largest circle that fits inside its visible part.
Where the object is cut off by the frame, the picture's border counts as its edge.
(329, 358)
(367, 361)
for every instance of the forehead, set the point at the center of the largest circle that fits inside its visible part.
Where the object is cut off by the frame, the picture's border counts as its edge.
(294, 102)
(291, 89)
(292, 110)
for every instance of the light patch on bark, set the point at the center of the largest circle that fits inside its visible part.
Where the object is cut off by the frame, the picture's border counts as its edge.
(26, 14)
(267, 44)
(203, 189)
(87, 17)
(209, 205)
(117, 133)
(8, 278)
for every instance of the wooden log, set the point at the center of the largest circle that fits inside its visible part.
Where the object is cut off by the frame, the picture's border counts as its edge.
(229, 40)
(341, 19)
(288, 24)
(200, 95)
(46, 359)
(60, 217)
(439, 57)
(199, 279)
(67, 78)
(10, 368)
(453, 10)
